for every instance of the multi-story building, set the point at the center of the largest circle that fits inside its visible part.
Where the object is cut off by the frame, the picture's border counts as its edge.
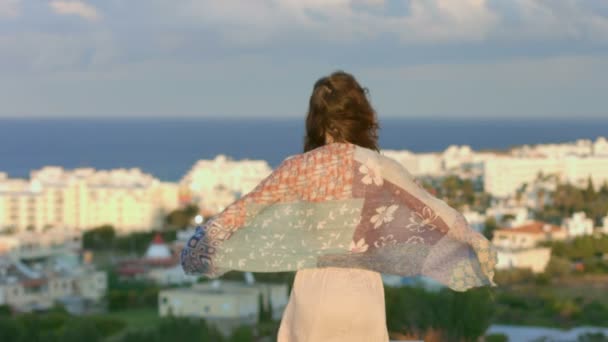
(459, 160)
(503, 176)
(213, 184)
(80, 199)
(581, 148)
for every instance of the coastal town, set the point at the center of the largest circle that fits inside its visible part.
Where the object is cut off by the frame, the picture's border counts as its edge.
(101, 242)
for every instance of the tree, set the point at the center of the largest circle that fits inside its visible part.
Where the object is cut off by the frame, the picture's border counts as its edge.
(558, 267)
(505, 218)
(5, 310)
(489, 227)
(456, 316)
(496, 338)
(10, 330)
(182, 218)
(99, 238)
(80, 330)
(589, 193)
(604, 189)
(242, 334)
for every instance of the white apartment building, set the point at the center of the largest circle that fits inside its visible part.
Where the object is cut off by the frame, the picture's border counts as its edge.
(504, 175)
(85, 198)
(579, 225)
(452, 160)
(581, 148)
(216, 183)
(418, 164)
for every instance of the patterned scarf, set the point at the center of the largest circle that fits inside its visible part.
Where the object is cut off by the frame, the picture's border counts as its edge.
(342, 205)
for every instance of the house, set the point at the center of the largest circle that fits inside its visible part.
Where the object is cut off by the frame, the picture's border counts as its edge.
(527, 235)
(579, 225)
(38, 284)
(535, 259)
(227, 304)
(517, 247)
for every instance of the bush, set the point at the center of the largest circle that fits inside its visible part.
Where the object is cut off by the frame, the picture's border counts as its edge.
(558, 267)
(542, 279)
(592, 337)
(457, 315)
(56, 327)
(496, 338)
(242, 334)
(514, 276)
(594, 313)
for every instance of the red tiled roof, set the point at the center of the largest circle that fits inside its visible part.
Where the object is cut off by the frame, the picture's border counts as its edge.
(33, 282)
(535, 227)
(158, 240)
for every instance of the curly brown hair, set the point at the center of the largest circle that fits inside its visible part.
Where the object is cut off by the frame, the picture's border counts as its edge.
(340, 107)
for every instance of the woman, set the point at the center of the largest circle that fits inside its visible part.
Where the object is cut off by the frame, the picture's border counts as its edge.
(340, 214)
(335, 303)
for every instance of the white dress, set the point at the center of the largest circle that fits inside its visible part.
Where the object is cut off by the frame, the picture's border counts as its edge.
(333, 304)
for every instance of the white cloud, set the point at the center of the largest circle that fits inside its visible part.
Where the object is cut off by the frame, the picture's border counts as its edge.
(551, 20)
(445, 20)
(9, 8)
(75, 7)
(422, 21)
(244, 21)
(43, 52)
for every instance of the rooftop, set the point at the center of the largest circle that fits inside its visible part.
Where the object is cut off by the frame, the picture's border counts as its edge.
(534, 227)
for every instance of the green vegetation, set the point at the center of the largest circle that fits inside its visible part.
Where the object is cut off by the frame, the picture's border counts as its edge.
(175, 329)
(135, 294)
(568, 199)
(57, 326)
(590, 251)
(592, 337)
(489, 227)
(496, 338)
(459, 193)
(135, 319)
(128, 326)
(548, 306)
(181, 218)
(105, 239)
(459, 316)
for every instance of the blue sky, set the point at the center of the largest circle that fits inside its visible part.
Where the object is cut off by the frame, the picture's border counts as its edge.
(250, 58)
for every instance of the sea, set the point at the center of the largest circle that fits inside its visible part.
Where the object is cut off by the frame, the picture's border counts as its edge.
(168, 147)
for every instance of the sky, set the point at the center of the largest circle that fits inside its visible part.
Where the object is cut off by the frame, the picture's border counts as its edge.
(480, 59)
